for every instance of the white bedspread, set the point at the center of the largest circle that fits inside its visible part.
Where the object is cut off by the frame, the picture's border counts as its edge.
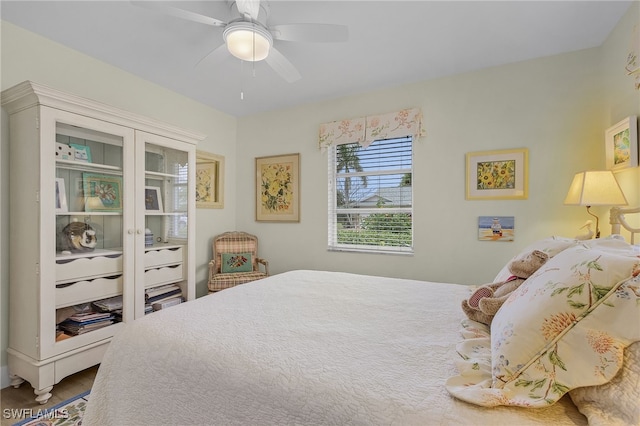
(303, 348)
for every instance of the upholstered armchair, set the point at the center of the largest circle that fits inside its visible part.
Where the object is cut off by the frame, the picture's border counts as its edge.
(235, 261)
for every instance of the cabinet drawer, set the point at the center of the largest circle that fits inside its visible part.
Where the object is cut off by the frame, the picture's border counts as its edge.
(69, 270)
(87, 291)
(165, 256)
(164, 275)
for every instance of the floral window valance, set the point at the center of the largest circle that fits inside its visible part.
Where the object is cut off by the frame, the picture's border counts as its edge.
(364, 130)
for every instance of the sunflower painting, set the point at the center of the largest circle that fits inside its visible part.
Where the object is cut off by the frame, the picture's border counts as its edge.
(497, 174)
(277, 195)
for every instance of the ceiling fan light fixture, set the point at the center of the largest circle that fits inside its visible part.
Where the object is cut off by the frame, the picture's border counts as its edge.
(247, 41)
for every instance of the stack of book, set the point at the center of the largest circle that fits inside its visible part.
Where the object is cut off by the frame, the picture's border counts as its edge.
(112, 305)
(160, 297)
(84, 322)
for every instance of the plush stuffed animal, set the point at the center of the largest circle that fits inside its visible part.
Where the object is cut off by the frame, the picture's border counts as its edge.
(487, 299)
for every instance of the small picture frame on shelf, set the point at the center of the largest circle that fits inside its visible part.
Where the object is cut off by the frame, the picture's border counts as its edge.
(61, 196)
(81, 153)
(102, 193)
(64, 152)
(152, 199)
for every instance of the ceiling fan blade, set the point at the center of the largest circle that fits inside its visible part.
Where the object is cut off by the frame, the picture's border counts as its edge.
(179, 13)
(249, 8)
(316, 33)
(282, 66)
(215, 56)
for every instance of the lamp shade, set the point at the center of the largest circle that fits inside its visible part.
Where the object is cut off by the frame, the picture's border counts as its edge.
(595, 188)
(247, 41)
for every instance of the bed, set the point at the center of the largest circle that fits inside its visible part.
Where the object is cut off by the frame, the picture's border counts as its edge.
(319, 347)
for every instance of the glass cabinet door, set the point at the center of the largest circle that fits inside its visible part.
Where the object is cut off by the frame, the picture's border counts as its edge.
(92, 188)
(164, 211)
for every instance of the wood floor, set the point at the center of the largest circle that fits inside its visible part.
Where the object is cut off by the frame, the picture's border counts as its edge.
(23, 397)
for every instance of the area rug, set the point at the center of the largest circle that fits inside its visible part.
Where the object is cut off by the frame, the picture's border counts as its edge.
(67, 413)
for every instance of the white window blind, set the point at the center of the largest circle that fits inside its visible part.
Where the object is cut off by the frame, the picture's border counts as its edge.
(371, 196)
(178, 198)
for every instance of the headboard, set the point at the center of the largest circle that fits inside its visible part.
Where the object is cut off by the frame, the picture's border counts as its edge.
(616, 219)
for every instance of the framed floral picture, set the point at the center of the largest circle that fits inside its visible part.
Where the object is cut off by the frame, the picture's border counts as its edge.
(621, 144)
(102, 193)
(209, 180)
(495, 175)
(278, 188)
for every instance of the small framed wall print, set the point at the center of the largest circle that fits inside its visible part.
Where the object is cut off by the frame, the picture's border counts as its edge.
(497, 175)
(61, 196)
(152, 199)
(496, 228)
(621, 144)
(278, 188)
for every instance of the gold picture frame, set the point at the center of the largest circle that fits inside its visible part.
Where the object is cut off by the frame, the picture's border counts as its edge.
(278, 188)
(498, 175)
(209, 180)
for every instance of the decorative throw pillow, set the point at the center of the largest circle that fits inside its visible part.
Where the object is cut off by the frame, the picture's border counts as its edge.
(236, 262)
(551, 246)
(565, 327)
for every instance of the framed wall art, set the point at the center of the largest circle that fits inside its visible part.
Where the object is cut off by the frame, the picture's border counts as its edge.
(209, 180)
(497, 175)
(278, 188)
(152, 199)
(61, 196)
(496, 228)
(102, 193)
(621, 144)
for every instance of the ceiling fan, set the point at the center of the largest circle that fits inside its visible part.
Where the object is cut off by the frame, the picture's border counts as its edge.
(249, 38)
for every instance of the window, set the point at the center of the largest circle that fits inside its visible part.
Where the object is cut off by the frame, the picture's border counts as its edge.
(370, 196)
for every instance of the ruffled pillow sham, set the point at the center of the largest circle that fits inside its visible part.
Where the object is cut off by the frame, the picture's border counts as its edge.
(565, 327)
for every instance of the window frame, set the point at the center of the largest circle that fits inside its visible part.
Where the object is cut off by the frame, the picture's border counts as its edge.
(334, 210)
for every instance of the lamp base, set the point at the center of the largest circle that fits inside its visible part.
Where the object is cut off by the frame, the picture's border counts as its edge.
(597, 222)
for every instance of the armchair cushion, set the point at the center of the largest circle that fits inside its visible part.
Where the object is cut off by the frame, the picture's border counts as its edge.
(236, 262)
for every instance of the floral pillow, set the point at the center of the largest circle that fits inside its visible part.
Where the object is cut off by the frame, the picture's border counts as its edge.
(565, 327)
(236, 262)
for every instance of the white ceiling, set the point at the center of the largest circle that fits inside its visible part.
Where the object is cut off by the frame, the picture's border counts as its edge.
(390, 43)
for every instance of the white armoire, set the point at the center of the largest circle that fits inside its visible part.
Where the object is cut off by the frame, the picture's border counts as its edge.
(101, 217)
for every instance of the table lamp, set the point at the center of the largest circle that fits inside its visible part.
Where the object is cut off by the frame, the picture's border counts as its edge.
(595, 188)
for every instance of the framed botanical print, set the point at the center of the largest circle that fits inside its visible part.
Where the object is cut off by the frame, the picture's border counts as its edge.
(278, 188)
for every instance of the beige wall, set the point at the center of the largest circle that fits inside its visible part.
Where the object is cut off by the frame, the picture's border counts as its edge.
(558, 107)
(620, 101)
